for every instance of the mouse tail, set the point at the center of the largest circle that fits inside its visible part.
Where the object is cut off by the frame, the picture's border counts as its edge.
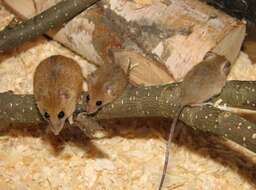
(168, 145)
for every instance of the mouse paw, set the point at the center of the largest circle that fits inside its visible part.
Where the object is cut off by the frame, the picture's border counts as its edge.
(90, 127)
(70, 120)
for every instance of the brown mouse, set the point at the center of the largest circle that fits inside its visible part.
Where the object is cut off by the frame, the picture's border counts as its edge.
(202, 82)
(106, 84)
(58, 84)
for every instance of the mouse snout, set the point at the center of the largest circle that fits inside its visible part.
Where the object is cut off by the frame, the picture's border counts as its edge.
(56, 126)
(90, 109)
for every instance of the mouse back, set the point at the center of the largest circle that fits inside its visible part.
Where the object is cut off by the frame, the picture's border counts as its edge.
(58, 84)
(205, 79)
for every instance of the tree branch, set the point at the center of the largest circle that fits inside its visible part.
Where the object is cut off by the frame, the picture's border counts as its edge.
(156, 101)
(40, 24)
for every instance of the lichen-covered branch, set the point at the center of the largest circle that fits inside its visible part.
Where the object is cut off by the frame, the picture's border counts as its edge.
(52, 18)
(156, 101)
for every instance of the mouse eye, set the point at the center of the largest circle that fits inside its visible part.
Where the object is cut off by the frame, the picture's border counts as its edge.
(87, 98)
(46, 115)
(61, 114)
(98, 103)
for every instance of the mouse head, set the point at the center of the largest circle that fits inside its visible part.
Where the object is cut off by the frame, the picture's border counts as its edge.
(220, 61)
(56, 107)
(100, 92)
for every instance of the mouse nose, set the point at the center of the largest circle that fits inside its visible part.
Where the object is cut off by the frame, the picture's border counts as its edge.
(56, 127)
(56, 132)
(90, 109)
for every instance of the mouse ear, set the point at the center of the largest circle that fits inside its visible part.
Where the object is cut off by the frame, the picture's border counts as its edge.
(209, 55)
(226, 67)
(109, 89)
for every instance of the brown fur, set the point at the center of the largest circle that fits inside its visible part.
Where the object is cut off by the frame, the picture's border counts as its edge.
(58, 86)
(204, 80)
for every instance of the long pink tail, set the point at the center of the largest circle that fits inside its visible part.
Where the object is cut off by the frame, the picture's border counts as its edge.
(168, 145)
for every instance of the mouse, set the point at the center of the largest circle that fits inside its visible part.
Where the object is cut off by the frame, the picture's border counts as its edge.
(57, 88)
(203, 81)
(106, 84)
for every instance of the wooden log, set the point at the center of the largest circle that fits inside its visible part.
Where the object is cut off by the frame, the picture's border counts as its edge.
(179, 33)
(90, 36)
(176, 34)
(78, 34)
